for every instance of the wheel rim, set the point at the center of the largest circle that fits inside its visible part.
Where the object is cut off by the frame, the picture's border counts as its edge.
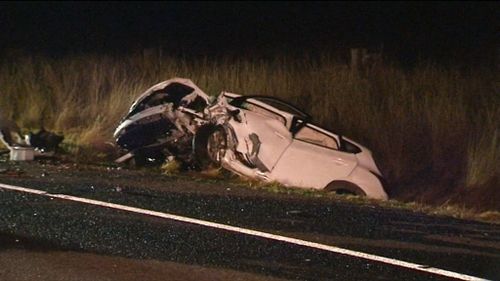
(216, 146)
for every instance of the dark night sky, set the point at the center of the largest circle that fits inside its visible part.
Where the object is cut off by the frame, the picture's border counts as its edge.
(427, 29)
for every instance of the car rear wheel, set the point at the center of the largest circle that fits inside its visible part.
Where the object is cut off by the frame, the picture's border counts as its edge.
(345, 188)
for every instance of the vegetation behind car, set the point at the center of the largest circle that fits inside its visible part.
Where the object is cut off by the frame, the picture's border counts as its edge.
(434, 129)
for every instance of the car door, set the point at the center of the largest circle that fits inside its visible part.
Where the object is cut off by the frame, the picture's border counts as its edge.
(262, 136)
(313, 160)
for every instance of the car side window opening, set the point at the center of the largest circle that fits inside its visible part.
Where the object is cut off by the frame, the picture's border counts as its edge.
(310, 135)
(263, 111)
(283, 106)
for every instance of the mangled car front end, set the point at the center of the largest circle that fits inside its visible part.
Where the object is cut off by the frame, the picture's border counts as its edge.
(164, 117)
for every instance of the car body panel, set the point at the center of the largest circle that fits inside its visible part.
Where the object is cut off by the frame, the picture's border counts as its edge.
(367, 180)
(263, 137)
(299, 165)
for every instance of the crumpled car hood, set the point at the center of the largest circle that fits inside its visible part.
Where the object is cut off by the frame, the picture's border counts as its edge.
(177, 91)
(155, 113)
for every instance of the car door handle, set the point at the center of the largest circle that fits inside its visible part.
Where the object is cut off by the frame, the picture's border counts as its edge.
(279, 135)
(339, 162)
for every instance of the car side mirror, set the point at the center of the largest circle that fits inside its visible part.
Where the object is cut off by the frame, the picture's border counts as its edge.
(235, 114)
(296, 125)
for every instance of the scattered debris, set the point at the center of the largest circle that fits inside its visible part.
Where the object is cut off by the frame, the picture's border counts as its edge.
(20, 153)
(258, 137)
(44, 141)
(171, 166)
(10, 134)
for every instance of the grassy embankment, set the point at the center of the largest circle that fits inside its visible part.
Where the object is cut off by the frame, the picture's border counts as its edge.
(434, 131)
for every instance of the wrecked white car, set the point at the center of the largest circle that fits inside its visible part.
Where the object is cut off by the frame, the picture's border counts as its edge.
(254, 136)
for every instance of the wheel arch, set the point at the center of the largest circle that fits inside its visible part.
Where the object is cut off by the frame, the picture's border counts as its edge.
(342, 187)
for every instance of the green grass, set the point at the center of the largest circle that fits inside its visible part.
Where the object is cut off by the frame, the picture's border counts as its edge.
(429, 128)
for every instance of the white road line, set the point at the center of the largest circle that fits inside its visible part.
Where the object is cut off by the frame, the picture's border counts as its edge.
(333, 249)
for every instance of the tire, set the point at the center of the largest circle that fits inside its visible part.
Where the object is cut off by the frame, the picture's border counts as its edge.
(345, 188)
(210, 146)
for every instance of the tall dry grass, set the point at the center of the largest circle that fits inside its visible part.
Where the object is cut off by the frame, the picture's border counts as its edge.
(432, 123)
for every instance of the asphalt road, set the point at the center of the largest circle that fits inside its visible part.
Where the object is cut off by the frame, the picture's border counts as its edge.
(31, 222)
